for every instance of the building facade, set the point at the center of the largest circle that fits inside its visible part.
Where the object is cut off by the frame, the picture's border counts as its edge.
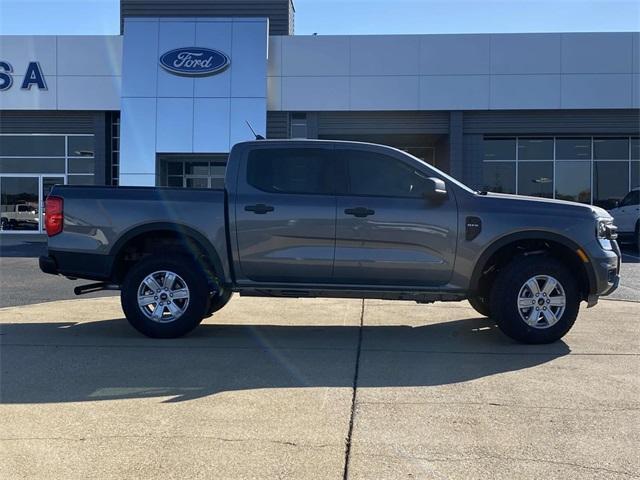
(553, 115)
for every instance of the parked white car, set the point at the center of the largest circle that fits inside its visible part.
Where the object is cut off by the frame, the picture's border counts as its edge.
(21, 216)
(627, 217)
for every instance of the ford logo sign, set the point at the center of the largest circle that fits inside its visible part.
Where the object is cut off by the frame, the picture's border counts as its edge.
(194, 61)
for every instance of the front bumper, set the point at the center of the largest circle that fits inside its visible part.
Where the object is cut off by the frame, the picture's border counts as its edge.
(606, 267)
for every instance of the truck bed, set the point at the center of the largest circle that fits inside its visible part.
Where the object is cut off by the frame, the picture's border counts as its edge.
(98, 219)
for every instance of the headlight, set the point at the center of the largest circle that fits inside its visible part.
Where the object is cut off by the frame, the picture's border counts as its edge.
(606, 231)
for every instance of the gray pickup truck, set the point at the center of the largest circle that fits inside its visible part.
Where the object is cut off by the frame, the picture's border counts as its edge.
(314, 218)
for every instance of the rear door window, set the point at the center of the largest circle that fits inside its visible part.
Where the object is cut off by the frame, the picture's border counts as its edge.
(291, 170)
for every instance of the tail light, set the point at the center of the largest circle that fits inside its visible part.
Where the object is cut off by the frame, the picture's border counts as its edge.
(53, 215)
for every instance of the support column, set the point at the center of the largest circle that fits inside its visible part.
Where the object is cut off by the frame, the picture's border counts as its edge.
(456, 156)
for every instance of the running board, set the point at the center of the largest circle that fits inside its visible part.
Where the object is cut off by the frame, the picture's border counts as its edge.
(416, 296)
(95, 287)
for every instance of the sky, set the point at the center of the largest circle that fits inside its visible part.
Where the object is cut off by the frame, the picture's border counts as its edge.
(327, 17)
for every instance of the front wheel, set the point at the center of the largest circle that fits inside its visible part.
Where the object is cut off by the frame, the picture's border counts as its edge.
(480, 305)
(535, 299)
(218, 300)
(165, 297)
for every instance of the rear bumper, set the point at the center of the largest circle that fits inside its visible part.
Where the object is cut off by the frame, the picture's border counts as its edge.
(77, 265)
(48, 264)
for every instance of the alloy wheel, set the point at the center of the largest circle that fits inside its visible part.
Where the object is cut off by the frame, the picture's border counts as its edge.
(163, 296)
(541, 301)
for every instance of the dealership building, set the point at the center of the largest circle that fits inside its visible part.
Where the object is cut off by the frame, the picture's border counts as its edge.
(553, 115)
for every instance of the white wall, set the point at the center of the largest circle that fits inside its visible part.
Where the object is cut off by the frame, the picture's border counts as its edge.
(167, 113)
(369, 72)
(81, 72)
(454, 72)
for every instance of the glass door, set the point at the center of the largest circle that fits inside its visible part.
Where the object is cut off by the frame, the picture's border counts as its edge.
(20, 203)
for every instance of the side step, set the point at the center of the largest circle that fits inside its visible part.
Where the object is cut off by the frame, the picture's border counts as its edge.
(95, 287)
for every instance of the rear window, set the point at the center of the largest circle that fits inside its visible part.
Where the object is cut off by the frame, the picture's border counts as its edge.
(291, 170)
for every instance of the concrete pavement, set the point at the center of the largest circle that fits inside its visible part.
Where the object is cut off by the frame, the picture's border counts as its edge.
(265, 389)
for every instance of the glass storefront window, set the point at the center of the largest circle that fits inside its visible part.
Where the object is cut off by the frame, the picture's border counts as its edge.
(573, 148)
(599, 170)
(197, 168)
(535, 148)
(191, 171)
(535, 179)
(19, 205)
(81, 146)
(635, 149)
(175, 168)
(197, 182)
(299, 125)
(32, 146)
(174, 181)
(635, 174)
(499, 149)
(82, 165)
(610, 148)
(500, 177)
(31, 165)
(610, 183)
(573, 181)
(80, 180)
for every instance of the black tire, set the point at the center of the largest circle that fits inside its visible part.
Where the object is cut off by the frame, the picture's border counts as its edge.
(480, 305)
(506, 290)
(196, 307)
(217, 301)
(637, 239)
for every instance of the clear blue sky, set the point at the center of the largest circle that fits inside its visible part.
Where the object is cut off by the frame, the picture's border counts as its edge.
(357, 16)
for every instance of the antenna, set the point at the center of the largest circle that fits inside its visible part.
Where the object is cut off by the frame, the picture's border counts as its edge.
(258, 137)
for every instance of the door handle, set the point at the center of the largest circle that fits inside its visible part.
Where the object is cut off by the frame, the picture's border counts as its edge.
(359, 212)
(259, 209)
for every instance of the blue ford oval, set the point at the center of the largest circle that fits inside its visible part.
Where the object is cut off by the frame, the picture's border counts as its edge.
(194, 61)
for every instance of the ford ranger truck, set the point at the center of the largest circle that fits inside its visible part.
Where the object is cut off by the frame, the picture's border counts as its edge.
(316, 218)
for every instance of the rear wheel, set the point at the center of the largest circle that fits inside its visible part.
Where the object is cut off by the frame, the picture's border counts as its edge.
(165, 297)
(535, 300)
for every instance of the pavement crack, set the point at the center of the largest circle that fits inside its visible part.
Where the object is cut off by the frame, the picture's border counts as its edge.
(164, 437)
(347, 449)
(604, 408)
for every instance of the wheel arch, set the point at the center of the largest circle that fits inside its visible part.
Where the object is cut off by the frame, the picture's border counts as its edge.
(518, 238)
(186, 236)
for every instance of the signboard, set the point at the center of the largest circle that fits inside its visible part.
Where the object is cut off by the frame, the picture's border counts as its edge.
(194, 61)
(33, 76)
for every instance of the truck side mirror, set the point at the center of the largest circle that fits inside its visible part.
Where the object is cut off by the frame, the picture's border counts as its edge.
(435, 189)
